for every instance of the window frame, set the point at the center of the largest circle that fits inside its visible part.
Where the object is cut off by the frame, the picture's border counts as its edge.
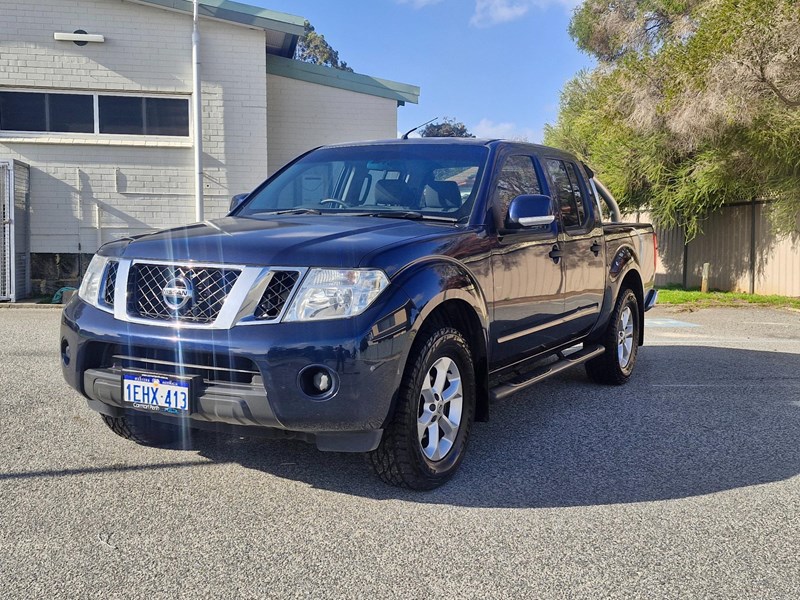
(96, 135)
(491, 203)
(588, 196)
(588, 211)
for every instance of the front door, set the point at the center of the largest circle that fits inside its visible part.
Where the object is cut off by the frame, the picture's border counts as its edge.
(528, 283)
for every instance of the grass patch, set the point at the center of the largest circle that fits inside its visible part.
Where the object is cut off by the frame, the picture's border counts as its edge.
(697, 299)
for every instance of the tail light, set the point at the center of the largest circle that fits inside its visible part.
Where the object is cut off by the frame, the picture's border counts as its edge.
(655, 251)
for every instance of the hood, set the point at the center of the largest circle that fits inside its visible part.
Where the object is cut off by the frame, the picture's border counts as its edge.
(284, 240)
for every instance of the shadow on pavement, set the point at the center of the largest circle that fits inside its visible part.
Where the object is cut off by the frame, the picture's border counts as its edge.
(694, 420)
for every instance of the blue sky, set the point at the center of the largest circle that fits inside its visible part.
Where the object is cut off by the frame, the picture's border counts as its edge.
(496, 65)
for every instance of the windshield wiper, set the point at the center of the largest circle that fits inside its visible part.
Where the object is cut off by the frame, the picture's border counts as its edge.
(289, 211)
(410, 214)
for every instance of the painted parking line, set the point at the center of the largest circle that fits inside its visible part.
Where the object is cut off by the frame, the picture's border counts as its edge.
(666, 323)
(738, 384)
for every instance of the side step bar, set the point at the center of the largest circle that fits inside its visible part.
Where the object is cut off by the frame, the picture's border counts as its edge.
(504, 390)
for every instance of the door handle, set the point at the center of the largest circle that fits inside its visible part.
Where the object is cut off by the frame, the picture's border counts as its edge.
(596, 247)
(555, 253)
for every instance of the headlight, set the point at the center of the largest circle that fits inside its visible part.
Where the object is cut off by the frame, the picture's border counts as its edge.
(90, 285)
(334, 294)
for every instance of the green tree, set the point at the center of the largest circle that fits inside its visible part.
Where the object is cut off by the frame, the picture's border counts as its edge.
(314, 48)
(446, 127)
(694, 103)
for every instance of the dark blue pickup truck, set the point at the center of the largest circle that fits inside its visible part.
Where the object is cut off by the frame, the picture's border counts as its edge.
(371, 297)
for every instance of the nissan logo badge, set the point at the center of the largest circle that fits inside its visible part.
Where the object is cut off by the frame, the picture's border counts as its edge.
(177, 293)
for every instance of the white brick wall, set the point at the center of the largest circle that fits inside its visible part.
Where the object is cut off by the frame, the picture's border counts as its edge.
(86, 190)
(147, 183)
(305, 115)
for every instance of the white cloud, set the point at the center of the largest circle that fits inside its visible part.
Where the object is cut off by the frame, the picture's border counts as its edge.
(486, 128)
(418, 3)
(493, 12)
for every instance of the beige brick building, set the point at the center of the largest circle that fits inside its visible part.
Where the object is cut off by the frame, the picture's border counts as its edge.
(106, 128)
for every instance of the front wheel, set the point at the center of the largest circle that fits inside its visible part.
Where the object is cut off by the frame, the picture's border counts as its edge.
(425, 441)
(621, 341)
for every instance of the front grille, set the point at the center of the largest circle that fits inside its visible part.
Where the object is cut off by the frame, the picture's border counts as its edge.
(206, 289)
(279, 288)
(110, 282)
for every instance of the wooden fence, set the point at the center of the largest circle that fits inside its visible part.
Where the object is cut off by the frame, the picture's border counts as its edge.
(740, 244)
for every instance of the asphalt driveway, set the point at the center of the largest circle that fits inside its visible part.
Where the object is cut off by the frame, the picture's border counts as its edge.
(684, 483)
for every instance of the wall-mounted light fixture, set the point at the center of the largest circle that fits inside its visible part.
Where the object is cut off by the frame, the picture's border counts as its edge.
(80, 37)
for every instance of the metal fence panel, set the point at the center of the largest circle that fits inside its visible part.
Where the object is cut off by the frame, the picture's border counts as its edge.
(778, 258)
(22, 237)
(741, 247)
(725, 244)
(5, 233)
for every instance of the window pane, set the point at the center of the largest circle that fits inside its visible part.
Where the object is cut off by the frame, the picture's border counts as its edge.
(121, 114)
(576, 191)
(167, 116)
(517, 177)
(22, 111)
(71, 112)
(563, 191)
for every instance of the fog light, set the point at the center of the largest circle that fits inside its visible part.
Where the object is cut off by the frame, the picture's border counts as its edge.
(322, 382)
(317, 382)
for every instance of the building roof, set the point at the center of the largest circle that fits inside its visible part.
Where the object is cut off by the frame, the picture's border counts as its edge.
(282, 33)
(236, 12)
(354, 82)
(283, 30)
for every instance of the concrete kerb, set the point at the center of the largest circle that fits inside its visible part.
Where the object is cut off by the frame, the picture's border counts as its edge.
(30, 305)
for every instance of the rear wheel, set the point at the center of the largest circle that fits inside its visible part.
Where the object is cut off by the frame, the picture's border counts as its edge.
(145, 431)
(425, 442)
(621, 341)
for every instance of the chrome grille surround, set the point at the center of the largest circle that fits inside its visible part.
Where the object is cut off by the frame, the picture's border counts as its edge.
(239, 306)
(206, 290)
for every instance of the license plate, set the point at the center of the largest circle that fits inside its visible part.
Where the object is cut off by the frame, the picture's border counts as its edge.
(157, 393)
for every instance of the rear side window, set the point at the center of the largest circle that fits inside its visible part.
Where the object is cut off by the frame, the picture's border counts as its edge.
(517, 177)
(568, 192)
(574, 179)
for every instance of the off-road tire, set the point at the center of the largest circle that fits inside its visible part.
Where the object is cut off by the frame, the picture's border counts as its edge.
(145, 431)
(399, 459)
(606, 368)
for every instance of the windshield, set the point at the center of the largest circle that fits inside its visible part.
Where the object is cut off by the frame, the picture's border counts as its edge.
(414, 180)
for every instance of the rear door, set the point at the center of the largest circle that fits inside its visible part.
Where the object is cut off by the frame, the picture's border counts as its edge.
(582, 245)
(528, 286)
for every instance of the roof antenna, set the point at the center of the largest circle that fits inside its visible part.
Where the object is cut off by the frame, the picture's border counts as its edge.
(405, 135)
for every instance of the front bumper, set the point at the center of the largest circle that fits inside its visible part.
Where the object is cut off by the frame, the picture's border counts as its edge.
(366, 354)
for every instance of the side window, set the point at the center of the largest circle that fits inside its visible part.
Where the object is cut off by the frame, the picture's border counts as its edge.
(574, 178)
(516, 178)
(569, 196)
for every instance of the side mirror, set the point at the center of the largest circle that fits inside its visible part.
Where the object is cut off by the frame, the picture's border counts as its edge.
(531, 210)
(237, 200)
